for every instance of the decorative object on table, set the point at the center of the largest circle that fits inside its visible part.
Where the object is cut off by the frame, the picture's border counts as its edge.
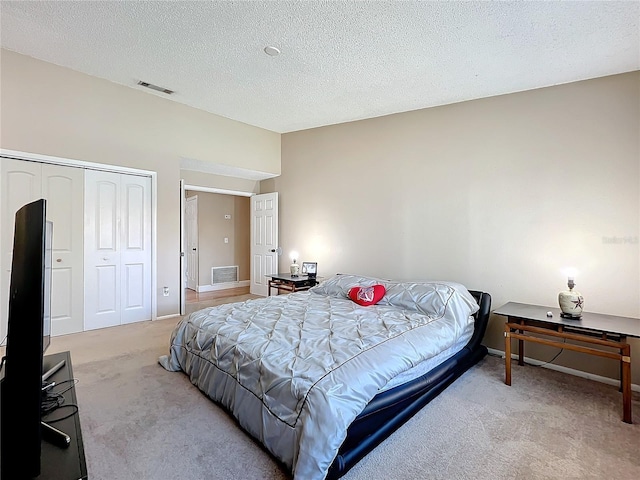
(571, 301)
(310, 269)
(294, 268)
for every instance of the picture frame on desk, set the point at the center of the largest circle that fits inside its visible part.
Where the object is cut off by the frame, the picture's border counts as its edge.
(310, 269)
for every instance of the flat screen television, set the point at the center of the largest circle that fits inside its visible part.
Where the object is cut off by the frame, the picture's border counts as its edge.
(28, 331)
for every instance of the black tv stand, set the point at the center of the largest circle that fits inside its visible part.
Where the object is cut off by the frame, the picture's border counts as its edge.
(62, 450)
(59, 459)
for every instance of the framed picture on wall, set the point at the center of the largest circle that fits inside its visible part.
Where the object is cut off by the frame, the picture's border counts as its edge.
(309, 268)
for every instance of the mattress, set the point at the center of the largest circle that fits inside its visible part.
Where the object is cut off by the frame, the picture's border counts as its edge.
(430, 363)
(295, 370)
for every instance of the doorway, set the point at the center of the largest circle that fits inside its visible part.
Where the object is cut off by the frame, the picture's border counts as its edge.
(216, 237)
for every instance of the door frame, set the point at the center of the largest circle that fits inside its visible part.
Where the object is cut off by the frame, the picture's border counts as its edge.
(198, 188)
(36, 157)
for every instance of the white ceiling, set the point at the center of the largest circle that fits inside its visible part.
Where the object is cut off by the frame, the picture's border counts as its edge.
(340, 60)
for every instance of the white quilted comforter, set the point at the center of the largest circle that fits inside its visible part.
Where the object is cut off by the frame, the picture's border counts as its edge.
(297, 369)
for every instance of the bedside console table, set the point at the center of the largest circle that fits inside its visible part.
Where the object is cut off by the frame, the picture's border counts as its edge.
(530, 323)
(286, 282)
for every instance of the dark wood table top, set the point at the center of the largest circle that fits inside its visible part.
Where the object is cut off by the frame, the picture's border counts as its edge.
(287, 277)
(592, 321)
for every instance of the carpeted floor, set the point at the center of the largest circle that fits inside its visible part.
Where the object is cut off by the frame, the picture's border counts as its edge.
(141, 422)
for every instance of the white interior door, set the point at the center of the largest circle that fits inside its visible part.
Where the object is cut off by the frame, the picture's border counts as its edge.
(21, 184)
(183, 274)
(264, 240)
(117, 249)
(135, 248)
(191, 220)
(102, 250)
(63, 187)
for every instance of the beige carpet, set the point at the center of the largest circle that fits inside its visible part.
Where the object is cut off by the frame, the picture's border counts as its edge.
(141, 422)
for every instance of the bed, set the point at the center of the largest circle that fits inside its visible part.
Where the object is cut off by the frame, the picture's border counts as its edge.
(320, 379)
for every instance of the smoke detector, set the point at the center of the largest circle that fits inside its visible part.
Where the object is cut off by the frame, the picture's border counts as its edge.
(271, 51)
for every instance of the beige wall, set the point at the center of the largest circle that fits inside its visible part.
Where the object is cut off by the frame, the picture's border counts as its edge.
(50, 110)
(499, 194)
(242, 237)
(200, 179)
(213, 228)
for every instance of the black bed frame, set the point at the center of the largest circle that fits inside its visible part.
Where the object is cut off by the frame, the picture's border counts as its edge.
(389, 410)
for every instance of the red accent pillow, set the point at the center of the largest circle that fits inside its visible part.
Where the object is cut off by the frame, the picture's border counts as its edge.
(366, 296)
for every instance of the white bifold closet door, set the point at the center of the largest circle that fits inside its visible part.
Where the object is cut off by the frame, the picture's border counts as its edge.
(117, 249)
(62, 187)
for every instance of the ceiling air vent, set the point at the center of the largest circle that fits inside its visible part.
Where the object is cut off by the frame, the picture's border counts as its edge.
(155, 87)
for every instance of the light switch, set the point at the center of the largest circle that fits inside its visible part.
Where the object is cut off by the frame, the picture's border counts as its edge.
(226, 239)
(227, 217)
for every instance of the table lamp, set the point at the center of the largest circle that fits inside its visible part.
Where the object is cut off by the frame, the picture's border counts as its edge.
(571, 302)
(295, 267)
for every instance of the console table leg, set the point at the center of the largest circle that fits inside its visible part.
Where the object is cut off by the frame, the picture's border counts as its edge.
(626, 385)
(507, 355)
(623, 338)
(621, 376)
(521, 347)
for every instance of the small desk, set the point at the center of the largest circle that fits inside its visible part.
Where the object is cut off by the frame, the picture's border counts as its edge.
(288, 283)
(530, 323)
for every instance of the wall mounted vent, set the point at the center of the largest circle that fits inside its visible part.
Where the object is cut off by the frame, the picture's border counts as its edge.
(155, 87)
(224, 274)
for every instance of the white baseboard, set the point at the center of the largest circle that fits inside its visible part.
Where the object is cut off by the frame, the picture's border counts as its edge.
(570, 371)
(164, 317)
(222, 286)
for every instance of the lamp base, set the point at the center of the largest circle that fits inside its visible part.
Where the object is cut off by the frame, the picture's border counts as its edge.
(294, 269)
(571, 303)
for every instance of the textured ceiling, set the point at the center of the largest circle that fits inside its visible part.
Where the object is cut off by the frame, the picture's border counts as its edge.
(340, 60)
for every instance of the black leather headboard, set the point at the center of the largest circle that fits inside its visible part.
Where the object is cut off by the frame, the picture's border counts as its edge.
(481, 316)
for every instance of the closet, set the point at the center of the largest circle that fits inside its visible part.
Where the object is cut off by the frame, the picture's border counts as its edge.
(87, 292)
